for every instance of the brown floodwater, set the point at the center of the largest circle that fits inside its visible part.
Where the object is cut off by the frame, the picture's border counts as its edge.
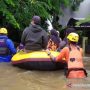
(12, 78)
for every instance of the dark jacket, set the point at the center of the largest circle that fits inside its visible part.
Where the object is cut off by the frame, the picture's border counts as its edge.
(34, 38)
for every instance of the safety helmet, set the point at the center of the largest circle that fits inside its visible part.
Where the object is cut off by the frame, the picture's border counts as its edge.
(3, 31)
(74, 37)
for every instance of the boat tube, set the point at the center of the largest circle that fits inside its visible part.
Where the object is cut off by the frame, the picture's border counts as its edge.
(37, 60)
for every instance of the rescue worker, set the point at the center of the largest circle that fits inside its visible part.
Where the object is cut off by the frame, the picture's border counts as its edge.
(7, 48)
(73, 55)
(34, 38)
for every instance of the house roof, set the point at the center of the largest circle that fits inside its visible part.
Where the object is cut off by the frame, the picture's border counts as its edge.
(83, 26)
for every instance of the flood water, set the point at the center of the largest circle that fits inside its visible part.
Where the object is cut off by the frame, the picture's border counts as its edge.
(12, 78)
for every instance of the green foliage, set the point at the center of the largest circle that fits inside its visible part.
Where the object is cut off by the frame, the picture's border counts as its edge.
(74, 4)
(83, 21)
(9, 17)
(19, 12)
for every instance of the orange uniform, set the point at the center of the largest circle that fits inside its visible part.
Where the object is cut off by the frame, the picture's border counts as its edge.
(73, 57)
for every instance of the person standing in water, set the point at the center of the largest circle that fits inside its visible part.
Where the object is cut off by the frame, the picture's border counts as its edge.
(73, 55)
(34, 38)
(7, 48)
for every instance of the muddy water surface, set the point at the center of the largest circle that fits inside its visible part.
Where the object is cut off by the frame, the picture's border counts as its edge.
(12, 78)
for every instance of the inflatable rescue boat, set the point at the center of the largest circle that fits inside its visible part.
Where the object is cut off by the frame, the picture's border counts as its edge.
(37, 60)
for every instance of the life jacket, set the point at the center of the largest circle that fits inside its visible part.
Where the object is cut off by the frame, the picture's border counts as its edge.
(75, 58)
(3, 47)
(75, 63)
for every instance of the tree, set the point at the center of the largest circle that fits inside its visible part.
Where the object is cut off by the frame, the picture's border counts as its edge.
(18, 13)
(5, 13)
